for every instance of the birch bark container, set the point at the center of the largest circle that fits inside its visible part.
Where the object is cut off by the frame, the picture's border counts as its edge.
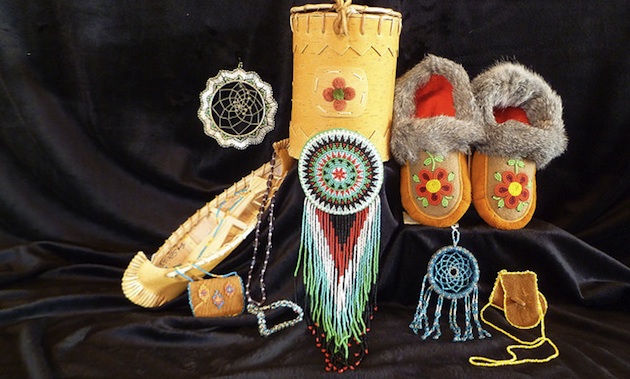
(344, 72)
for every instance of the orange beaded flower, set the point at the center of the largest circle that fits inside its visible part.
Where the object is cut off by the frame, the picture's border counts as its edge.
(511, 191)
(433, 187)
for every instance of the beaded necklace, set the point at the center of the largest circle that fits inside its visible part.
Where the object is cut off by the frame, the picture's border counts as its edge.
(257, 307)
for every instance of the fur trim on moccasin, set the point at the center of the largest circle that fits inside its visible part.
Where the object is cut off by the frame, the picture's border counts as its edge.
(508, 84)
(440, 133)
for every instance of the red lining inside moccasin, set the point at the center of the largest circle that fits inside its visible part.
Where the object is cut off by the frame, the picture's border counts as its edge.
(435, 98)
(502, 115)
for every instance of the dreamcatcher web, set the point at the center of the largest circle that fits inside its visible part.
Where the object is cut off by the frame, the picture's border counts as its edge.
(453, 272)
(238, 108)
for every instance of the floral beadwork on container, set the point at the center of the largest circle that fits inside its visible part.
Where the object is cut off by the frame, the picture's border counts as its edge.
(339, 94)
(435, 185)
(512, 191)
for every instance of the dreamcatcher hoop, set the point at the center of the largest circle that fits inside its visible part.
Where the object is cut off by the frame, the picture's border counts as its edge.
(237, 108)
(453, 272)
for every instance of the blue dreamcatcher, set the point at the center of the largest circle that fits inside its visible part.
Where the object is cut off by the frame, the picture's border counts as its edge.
(452, 274)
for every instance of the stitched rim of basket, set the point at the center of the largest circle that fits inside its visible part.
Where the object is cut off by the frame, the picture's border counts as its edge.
(355, 9)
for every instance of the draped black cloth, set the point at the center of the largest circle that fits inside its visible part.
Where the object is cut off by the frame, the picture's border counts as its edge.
(102, 155)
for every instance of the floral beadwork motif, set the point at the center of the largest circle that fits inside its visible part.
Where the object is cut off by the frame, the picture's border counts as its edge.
(339, 94)
(217, 299)
(512, 191)
(229, 289)
(434, 186)
(203, 293)
(217, 296)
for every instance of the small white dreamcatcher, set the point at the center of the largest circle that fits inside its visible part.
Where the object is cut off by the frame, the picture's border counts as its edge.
(237, 108)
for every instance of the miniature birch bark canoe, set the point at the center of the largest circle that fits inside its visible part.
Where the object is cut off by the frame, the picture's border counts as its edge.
(205, 239)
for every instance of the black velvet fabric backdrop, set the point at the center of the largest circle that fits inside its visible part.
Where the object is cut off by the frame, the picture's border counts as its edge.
(102, 155)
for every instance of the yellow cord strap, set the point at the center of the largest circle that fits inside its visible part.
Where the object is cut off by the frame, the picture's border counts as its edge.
(523, 345)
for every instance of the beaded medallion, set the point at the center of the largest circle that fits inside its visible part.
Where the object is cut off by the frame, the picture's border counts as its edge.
(340, 171)
(453, 274)
(341, 174)
(237, 108)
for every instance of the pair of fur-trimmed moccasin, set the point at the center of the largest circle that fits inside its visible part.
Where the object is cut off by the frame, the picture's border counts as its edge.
(508, 115)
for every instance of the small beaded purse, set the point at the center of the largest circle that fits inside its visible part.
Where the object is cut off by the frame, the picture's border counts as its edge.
(218, 296)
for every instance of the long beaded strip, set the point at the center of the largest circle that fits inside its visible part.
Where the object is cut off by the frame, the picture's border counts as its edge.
(259, 218)
(256, 307)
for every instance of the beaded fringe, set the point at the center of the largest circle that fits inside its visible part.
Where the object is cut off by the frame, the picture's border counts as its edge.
(340, 255)
(471, 313)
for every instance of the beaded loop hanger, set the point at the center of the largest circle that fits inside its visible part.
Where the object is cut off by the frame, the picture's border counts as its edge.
(453, 274)
(257, 307)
